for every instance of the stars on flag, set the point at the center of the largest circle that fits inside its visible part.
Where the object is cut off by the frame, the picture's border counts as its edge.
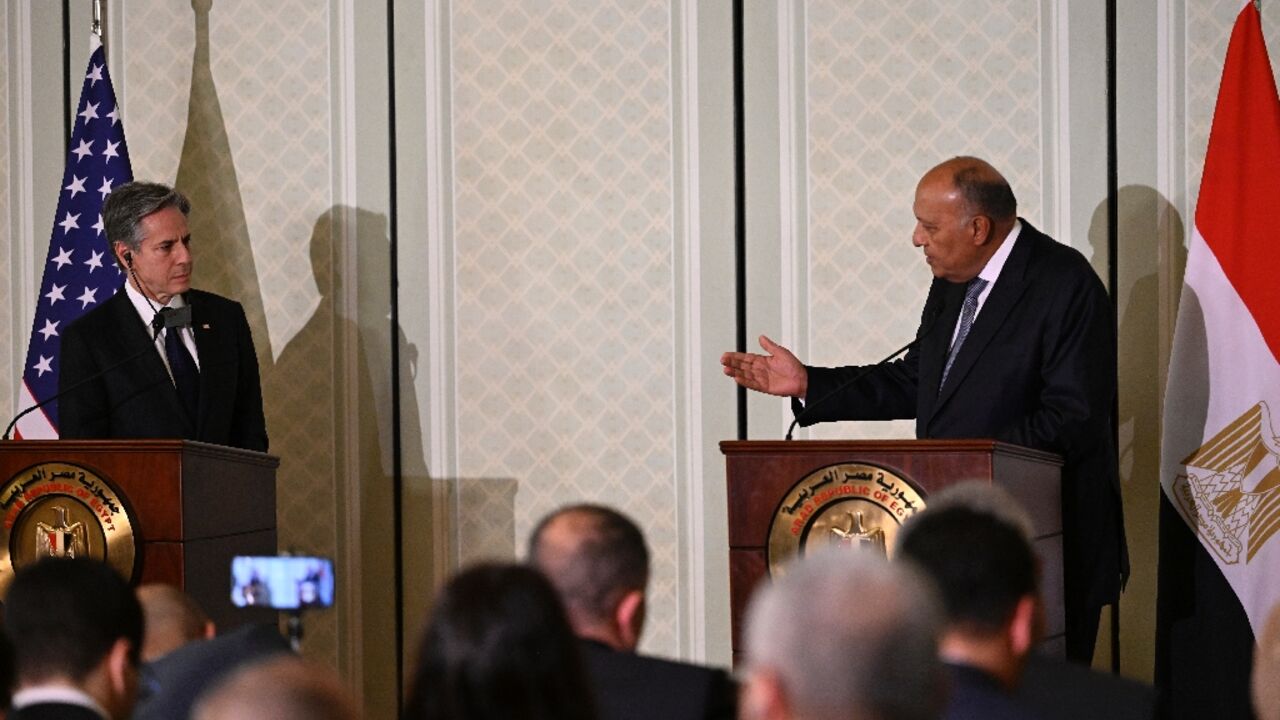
(55, 294)
(98, 225)
(43, 366)
(77, 185)
(110, 152)
(63, 257)
(70, 222)
(105, 190)
(90, 112)
(50, 329)
(114, 115)
(86, 148)
(94, 75)
(88, 297)
(95, 260)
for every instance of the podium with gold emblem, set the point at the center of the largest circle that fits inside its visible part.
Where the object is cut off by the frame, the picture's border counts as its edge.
(787, 496)
(171, 511)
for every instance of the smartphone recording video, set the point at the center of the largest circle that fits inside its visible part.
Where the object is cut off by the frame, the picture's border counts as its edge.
(283, 583)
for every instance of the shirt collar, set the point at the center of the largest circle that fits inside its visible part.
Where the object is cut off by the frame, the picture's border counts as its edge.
(64, 694)
(992, 269)
(147, 307)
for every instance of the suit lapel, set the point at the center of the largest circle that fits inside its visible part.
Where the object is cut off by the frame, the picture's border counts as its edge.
(135, 338)
(1004, 296)
(933, 348)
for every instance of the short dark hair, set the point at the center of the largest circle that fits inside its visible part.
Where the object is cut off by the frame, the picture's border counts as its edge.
(984, 191)
(982, 565)
(127, 205)
(498, 646)
(607, 559)
(63, 616)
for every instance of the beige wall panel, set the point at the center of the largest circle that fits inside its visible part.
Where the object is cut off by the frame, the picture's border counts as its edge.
(11, 360)
(232, 101)
(562, 139)
(892, 89)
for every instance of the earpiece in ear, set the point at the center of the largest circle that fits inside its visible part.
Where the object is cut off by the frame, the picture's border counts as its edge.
(128, 259)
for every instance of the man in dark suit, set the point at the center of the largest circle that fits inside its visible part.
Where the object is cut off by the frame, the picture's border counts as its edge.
(76, 630)
(1017, 343)
(174, 362)
(597, 560)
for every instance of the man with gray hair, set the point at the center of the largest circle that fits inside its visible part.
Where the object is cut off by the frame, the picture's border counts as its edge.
(844, 636)
(159, 360)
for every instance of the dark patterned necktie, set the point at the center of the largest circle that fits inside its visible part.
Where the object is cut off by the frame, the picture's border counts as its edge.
(967, 313)
(186, 376)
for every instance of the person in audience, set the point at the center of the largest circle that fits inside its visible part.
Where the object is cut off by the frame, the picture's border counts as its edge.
(281, 688)
(598, 562)
(172, 683)
(172, 619)
(987, 576)
(844, 636)
(76, 629)
(497, 646)
(974, 541)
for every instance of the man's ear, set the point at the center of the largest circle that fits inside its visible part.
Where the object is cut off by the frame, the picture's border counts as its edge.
(120, 667)
(210, 630)
(120, 250)
(981, 227)
(1023, 625)
(629, 616)
(763, 697)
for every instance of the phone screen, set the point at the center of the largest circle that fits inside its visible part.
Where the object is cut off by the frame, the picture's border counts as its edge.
(284, 583)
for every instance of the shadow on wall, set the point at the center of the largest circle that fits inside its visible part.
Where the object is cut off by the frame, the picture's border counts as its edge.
(207, 175)
(1151, 257)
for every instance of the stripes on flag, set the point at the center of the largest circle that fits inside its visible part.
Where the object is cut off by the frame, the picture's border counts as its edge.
(80, 271)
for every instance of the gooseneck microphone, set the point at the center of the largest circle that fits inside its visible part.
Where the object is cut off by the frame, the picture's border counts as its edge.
(157, 323)
(928, 328)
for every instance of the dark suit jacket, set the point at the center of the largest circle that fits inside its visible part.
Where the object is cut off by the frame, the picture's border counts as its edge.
(1060, 690)
(138, 399)
(171, 684)
(1038, 369)
(635, 687)
(974, 695)
(54, 711)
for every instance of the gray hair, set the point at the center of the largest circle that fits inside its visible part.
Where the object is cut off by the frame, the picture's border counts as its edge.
(980, 498)
(984, 189)
(127, 205)
(850, 635)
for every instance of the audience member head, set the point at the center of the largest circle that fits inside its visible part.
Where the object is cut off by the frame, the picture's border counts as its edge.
(598, 562)
(973, 541)
(172, 619)
(844, 635)
(285, 687)
(498, 646)
(1266, 670)
(76, 623)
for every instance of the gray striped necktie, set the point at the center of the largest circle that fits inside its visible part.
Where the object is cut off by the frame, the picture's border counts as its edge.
(967, 313)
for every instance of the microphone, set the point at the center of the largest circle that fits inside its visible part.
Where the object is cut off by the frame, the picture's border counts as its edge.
(155, 326)
(928, 327)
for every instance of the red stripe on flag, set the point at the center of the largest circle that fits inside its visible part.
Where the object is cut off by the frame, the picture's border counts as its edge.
(1238, 213)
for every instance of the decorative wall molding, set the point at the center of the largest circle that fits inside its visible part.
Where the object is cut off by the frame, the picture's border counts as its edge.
(1055, 90)
(793, 200)
(687, 249)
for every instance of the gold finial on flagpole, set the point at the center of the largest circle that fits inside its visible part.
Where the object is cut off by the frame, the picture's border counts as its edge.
(97, 18)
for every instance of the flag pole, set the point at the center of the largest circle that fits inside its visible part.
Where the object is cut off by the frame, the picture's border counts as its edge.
(97, 18)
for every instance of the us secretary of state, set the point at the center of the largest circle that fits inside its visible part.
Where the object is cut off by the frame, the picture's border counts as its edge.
(1017, 342)
(171, 362)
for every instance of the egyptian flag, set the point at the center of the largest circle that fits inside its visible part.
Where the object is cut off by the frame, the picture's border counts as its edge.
(1219, 572)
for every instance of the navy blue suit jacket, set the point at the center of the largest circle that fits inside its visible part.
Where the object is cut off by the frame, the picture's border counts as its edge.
(138, 399)
(1038, 369)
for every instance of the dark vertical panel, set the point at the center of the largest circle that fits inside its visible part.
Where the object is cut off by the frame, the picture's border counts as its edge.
(397, 473)
(739, 208)
(1113, 237)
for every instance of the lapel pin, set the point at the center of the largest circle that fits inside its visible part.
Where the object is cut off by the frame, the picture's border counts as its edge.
(204, 326)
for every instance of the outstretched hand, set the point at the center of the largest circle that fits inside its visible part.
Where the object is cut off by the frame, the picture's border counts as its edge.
(778, 373)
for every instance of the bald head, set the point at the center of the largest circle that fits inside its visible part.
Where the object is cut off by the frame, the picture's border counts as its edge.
(594, 556)
(283, 688)
(964, 210)
(172, 619)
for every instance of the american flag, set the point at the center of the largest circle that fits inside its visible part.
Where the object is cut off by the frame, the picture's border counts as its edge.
(80, 271)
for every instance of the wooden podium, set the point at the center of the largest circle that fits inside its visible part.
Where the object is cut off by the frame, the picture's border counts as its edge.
(762, 472)
(194, 507)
